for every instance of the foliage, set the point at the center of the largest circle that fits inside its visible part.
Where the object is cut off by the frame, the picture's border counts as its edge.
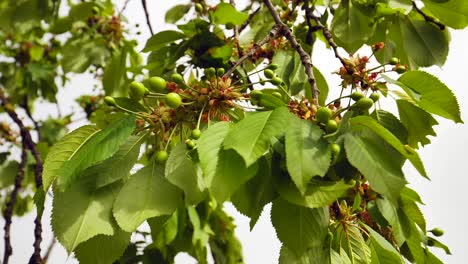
(228, 107)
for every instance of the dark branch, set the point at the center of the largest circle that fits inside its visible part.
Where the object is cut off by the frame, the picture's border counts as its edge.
(327, 34)
(8, 213)
(305, 58)
(31, 146)
(49, 250)
(123, 7)
(249, 19)
(25, 106)
(272, 34)
(148, 22)
(428, 18)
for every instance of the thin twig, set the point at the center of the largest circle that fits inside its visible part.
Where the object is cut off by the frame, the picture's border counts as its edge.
(272, 34)
(49, 250)
(31, 146)
(249, 19)
(8, 213)
(123, 7)
(328, 36)
(148, 22)
(305, 58)
(428, 18)
(25, 106)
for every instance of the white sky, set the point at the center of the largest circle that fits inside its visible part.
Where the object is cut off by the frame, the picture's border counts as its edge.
(445, 160)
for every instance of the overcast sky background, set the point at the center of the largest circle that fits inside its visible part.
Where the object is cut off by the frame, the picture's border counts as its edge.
(445, 159)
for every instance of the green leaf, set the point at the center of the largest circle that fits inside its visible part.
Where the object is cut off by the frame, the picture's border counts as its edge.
(161, 39)
(225, 13)
(439, 244)
(208, 147)
(164, 228)
(100, 146)
(370, 157)
(413, 212)
(183, 173)
(119, 165)
(307, 153)
(65, 150)
(406, 151)
(146, 194)
(432, 95)
(74, 58)
(382, 252)
(350, 26)
(311, 256)
(103, 249)
(390, 122)
(348, 237)
(82, 212)
(432, 259)
(317, 194)
(322, 86)
(390, 212)
(251, 136)
(300, 228)
(231, 173)
(176, 13)
(253, 195)
(340, 258)
(8, 173)
(453, 13)
(115, 73)
(418, 122)
(424, 42)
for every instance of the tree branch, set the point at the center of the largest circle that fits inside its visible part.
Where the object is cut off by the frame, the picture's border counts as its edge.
(327, 34)
(428, 18)
(148, 22)
(249, 19)
(8, 213)
(305, 58)
(29, 144)
(272, 34)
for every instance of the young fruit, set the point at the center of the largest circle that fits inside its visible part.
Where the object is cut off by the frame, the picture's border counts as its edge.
(430, 242)
(394, 61)
(177, 78)
(157, 84)
(437, 232)
(277, 94)
(273, 66)
(400, 69)
(220, 72)
(364, 104)
(161, 156)
(190, 144)
(137, 90)
(323, 114)
(198, 7)
(374, 96)
(331, 126)
(195, 134)
(210, 72)
(110, 101)
(173, 100)
(269, 74)
(356, 96)
(276, 81)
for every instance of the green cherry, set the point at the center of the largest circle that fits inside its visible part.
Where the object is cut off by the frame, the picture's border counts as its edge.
(323, 114)
(161, 156)
(173, 100)
(157, 84)
(195, 134)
